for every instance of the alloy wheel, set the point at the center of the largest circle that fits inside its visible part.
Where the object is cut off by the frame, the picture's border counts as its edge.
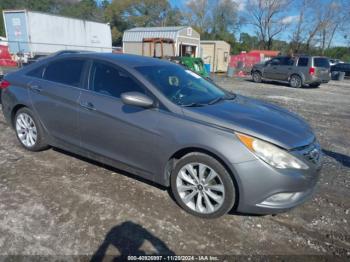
(295, 81)
(26, 130)
(200, 188)
(256, 77)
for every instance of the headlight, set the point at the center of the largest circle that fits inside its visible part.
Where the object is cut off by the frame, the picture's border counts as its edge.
(271, 154)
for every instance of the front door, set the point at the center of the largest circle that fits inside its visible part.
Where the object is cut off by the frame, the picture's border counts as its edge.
(270, 69)
(110, 128)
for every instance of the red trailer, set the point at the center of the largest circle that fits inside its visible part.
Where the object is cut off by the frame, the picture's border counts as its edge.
(5, 57)
(7, 64)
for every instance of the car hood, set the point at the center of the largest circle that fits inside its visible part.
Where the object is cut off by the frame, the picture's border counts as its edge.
(256, 118)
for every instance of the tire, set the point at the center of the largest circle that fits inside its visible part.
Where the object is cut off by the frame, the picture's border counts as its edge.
(197, 196)
(315, 85)
(295, 81)
(257, 78)
(29, 130)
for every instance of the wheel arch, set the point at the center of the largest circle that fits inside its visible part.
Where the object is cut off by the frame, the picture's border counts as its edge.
(299, 75)
(189, 150)
(257, 71)
(14, 112)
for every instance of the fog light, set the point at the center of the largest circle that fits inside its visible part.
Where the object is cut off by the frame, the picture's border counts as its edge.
(280, 198)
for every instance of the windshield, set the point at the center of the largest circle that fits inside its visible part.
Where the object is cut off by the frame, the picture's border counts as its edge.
(183, 87)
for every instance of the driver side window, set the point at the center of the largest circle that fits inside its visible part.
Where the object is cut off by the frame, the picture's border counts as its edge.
(275, 61)
(108, 80)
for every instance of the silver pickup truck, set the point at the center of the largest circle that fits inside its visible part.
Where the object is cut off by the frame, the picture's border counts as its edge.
(297, 71)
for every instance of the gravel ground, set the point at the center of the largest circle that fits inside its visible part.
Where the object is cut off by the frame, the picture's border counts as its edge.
(54, 203)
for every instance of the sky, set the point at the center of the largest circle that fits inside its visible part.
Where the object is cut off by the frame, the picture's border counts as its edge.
(339, 39)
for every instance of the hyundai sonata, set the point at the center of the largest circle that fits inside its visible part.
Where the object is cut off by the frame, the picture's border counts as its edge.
(214, 149)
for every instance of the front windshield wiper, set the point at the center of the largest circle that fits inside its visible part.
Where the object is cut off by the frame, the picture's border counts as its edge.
(193, 105)
(216, 100)
(229, 96)
(219, 98)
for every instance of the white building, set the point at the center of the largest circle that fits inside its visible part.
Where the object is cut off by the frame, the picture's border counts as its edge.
(186, 41)
(217, 54)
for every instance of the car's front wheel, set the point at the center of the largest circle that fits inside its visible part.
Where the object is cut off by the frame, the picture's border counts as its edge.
(257, 77)
(202, 186)
(29, 130)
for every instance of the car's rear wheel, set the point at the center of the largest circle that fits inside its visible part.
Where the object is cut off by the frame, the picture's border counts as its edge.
(29, 130)
(295, 81)
(202, 186)
(257, 78)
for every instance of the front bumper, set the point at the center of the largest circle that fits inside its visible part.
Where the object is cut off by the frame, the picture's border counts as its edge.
(264, 189)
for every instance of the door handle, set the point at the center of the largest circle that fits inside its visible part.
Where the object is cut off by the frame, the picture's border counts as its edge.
(87, 105)
(36, 88)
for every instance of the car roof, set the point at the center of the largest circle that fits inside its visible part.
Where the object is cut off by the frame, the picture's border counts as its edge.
(121, 59)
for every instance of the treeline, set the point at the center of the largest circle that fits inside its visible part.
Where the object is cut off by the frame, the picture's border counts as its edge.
(312, 29)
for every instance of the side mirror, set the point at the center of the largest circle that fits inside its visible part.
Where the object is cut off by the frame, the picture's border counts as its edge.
(137, 99)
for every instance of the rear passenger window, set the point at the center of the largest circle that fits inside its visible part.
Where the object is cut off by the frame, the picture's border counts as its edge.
(108, 80)
(303, 61)
(37, 72)
(67, 71)
(321, 62)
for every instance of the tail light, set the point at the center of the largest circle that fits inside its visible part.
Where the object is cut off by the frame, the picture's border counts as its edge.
(4, 84)
(311, 71)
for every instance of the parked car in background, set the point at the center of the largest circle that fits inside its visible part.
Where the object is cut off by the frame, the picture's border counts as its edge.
(214, 149)
(333, 62)
(297, 71)
(342, 67)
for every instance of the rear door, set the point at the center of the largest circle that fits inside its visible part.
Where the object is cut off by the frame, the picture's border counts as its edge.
(302, 67)
(54, 91)
(285, 69)
(322, 67)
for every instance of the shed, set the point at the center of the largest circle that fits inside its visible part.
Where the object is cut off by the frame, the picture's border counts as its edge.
(186, 41)
(217, 54)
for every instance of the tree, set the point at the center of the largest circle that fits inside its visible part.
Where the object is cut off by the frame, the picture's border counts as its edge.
(268, 17)
(298, 36)
(198, 15)
(326, 22)
(174, 17)
(84, 9)
(224, 18)
(126, 14)
(214, 20)
(318, 26)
